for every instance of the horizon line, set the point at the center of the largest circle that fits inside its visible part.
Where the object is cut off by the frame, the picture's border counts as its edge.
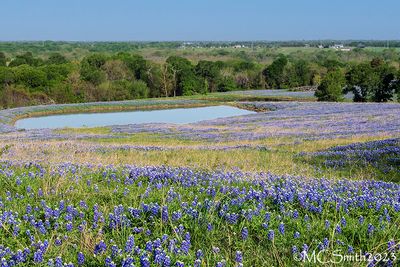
(209, 41)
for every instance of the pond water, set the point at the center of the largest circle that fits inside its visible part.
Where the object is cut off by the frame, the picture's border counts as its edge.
(178, 116)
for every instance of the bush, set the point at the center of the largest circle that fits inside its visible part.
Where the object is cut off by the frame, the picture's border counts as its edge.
(331, 87)
(139, 89)
(226, 84)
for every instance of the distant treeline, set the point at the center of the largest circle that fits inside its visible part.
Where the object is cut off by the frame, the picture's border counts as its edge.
(26, 79)
(56, 46)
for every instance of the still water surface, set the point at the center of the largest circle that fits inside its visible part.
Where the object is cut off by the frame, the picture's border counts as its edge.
(179, 116)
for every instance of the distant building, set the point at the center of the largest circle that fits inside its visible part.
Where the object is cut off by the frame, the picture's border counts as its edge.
(340, 47)
(337, 46)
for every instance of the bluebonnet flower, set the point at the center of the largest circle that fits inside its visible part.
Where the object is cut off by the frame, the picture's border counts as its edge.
(100, 248)
(164, 213)
(58, 242)
(271, 235)
(343, 221)
(295, 214)
(370, 229)
(197, 263)
(81, 258)
(185, 246)
(239, 257)
(391, 245)
(144, 261)
(199, 254)
(38, 256)
(167, 261)
(130, 244)
(338, 229)
(149, 246)
(58, 262)
(281, 228)
(350, 249)
(245, 233)
(267, 217)
(327, 224)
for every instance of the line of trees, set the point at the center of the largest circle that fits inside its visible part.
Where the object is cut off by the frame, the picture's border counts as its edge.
(374, 81)
(28, 80)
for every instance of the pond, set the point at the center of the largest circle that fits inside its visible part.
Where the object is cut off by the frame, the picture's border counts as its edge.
(178, 116)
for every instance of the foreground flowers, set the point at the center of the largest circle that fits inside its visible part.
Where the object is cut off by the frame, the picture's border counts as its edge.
(70, 215)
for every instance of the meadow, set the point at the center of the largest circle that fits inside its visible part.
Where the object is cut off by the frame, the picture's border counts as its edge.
(265, 189)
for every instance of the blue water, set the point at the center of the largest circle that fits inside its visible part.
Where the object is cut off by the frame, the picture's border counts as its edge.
(178, 116)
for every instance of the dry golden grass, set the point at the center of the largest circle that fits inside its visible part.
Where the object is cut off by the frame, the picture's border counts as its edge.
(280, 158)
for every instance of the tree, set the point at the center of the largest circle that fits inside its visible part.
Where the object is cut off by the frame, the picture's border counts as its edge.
(26, 58)
(56, 58)
(91, 74)
(30, 76)
(136, 64)
(57, 72)
(361, 79)
(274, 72)
(166, 80)
(371, 82)
(139, 89)
(226, 84)
(3, 60)
(116, 70)
(6, 76)
(331, 87)
(209, 71)
(376, 62)
(396, 87)
(185, 80)
(303, 73)
(90, 70)
(95, 60)
(383, 92)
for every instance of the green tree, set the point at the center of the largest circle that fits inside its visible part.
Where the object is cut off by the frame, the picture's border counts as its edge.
(30, 76)
(303, 72)
(274, 73)
(209, 71)
(136, 64)
(361, 79)
(331, 87)
(184, 79)
(139, 89)
(90, 69)
(95, 60)
(6, 76)
(226, 84)
(383, 92)
(3, 59)
(26, 58)
(92, 75)
(56, 58)
(371, 82)
(57, 72)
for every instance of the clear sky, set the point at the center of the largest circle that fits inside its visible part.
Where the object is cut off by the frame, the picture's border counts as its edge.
(158, 20)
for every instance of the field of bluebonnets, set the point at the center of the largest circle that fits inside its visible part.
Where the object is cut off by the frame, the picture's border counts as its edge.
(266, 189)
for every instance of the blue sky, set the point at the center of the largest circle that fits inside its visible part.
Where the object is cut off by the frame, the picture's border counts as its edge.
(154, 20)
